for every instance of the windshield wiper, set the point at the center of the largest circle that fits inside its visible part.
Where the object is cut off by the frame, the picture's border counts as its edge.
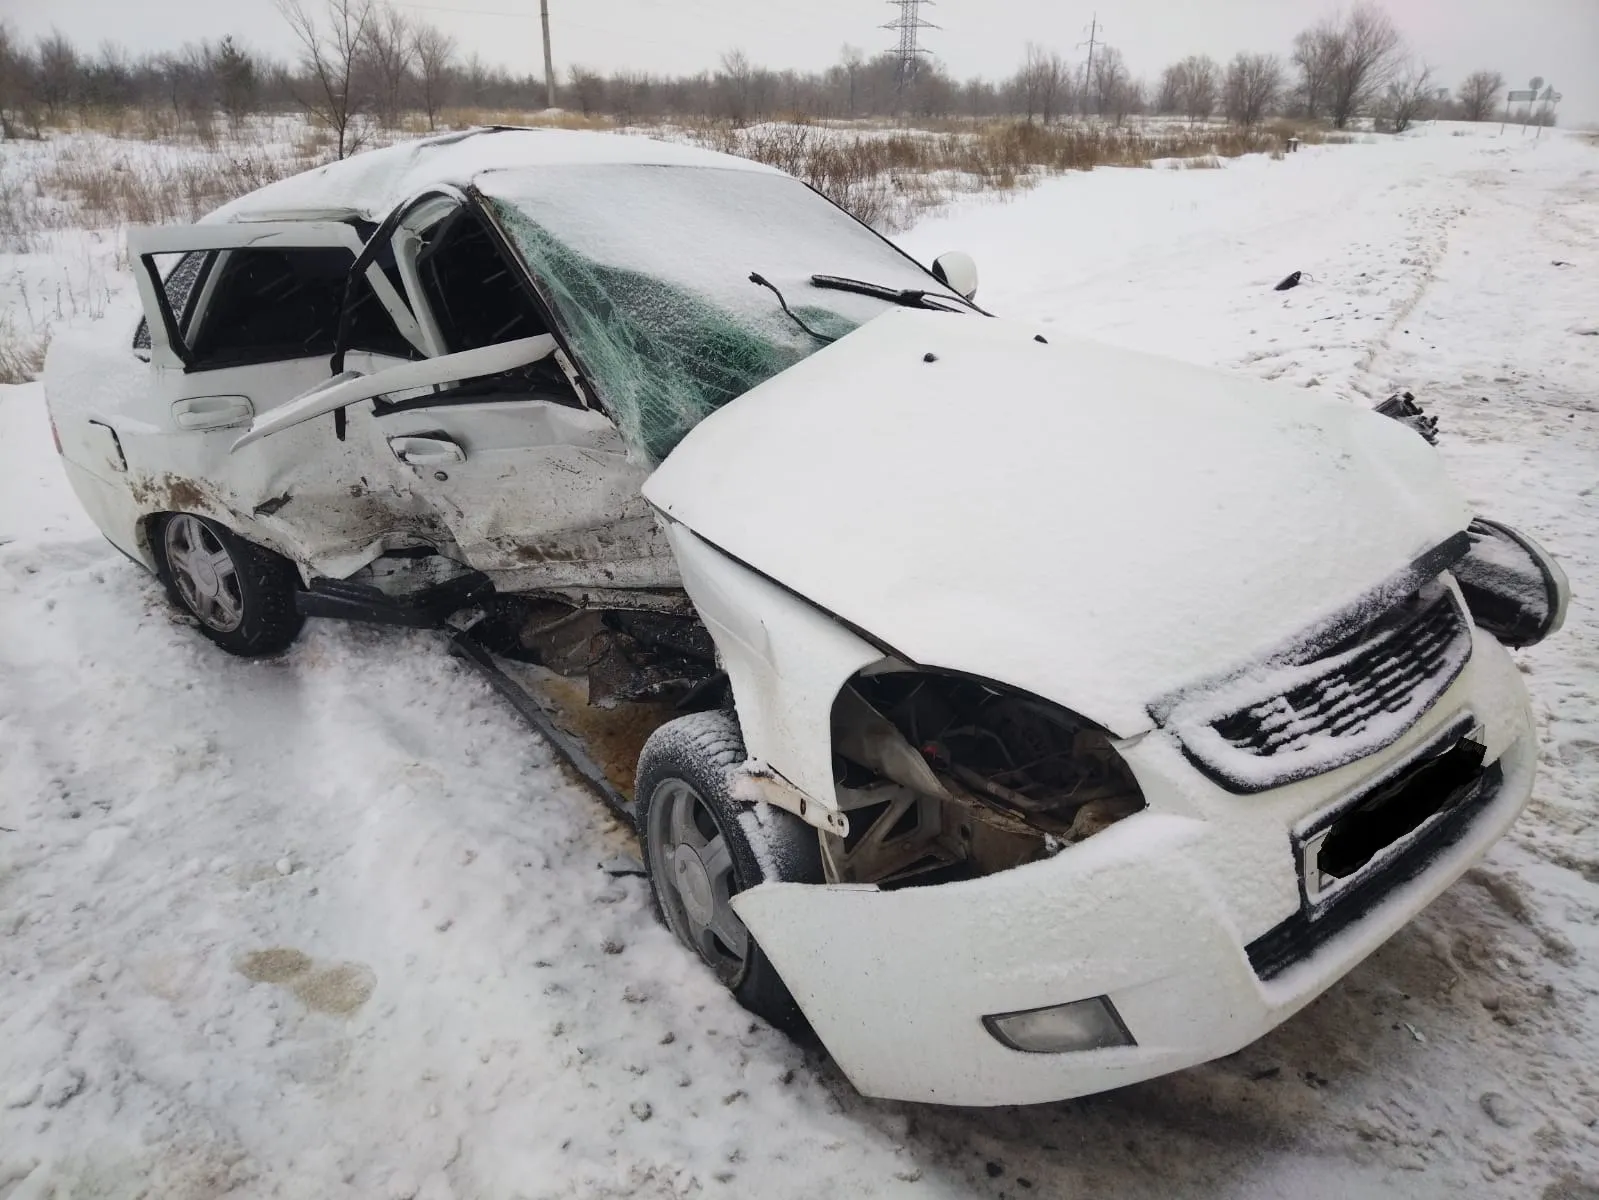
(795, 317)
(906, 297)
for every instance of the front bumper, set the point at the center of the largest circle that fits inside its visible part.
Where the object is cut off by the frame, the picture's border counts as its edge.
(1157, 912)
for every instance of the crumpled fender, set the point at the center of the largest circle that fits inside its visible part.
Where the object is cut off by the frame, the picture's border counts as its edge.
(785, 659)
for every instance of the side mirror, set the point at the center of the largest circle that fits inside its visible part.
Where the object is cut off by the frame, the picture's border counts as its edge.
(1514, 589)
(957, 271)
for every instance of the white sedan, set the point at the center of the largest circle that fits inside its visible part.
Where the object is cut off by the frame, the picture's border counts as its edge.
(1026, 717)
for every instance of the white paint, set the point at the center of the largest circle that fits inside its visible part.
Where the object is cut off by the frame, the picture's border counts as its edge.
(370, 185)
(786, 662)
(1092, 525)
(1153, 912)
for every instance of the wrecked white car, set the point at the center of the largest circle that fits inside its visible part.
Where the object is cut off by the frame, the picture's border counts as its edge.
(1027, 717)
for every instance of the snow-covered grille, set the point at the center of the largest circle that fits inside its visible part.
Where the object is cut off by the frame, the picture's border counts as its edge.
(1379, 679)
(1305, 713)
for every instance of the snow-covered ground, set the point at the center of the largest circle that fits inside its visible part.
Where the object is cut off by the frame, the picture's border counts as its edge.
(334, 925)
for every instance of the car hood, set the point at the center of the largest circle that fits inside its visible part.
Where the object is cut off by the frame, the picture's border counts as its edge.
(1093, 525)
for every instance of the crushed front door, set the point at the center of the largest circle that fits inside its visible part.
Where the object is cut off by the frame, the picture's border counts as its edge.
(531, 484)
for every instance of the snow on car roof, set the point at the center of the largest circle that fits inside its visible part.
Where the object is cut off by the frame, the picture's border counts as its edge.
(369, 185)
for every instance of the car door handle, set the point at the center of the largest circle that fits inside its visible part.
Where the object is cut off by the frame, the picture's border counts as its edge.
(212, 412)
(426, 451)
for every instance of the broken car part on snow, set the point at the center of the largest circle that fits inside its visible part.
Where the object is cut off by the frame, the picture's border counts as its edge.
(1157, 780)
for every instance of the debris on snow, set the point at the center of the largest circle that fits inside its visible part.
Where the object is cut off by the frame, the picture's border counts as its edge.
(1501, 1110)
(622, 865)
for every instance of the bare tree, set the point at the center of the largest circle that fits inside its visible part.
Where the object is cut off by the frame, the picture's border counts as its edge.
(1043, 84)
(1408, 98)
(330, 57)
(56, 72)
(735, 85)
(1199, 79)
(588, 89)
(1316, 54)
(1169, 92)
(236, 80)
(434, 50)
(851, 60)
(1254, 85)
(15, 84)
(1479, 95)
(1368, 56)
(390, 51)
(1112, 86)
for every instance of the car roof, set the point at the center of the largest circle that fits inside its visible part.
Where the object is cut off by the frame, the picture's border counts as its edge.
(368, 186)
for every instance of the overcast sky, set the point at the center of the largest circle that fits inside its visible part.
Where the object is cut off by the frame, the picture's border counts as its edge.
(1558, 39)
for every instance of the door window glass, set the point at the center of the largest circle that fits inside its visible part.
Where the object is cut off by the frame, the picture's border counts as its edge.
(181, 286)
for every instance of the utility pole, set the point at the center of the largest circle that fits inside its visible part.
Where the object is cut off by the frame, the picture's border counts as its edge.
(909, 26)
(549, 59)
(1088, 71)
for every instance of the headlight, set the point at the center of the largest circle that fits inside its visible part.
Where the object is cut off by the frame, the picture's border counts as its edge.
(1081, 1025)
(945, 776)
(1514, 589)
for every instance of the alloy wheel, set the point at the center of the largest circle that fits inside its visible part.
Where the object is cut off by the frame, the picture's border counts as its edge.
(693, 870)
(204, 573)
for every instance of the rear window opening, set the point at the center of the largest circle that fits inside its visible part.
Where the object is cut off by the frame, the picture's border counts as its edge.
(271, 305)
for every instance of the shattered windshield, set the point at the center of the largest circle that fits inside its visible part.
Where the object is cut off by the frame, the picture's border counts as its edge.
(648, 269)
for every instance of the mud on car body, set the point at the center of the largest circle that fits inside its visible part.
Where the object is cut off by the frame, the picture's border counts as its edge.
(1026, 717)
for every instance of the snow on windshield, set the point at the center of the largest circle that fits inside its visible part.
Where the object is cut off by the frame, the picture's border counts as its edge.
(648, 269)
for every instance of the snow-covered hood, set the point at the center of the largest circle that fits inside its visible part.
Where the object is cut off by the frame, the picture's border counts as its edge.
(1090, 524)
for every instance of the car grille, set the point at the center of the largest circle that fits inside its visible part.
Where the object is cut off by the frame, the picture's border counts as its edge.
(1307, 712)
(1381, 678)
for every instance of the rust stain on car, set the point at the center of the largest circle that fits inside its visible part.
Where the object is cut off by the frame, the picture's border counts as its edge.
(173, 493)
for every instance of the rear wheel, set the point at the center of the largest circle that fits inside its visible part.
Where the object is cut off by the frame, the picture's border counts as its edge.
(241, 594)
(700, 849)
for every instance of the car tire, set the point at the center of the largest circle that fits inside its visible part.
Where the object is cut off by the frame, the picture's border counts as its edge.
(700, 850)
(242, 595)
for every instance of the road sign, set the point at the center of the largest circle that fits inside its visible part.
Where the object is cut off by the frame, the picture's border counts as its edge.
(1521, 97)
(1537, 82)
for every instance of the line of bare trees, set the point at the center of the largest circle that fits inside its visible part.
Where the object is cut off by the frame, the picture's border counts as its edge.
(364, 62)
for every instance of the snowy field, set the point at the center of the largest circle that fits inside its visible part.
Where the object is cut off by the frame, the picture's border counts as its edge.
(334, 925)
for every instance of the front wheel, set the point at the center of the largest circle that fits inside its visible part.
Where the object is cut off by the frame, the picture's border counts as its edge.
(700, 851)
(243, 595)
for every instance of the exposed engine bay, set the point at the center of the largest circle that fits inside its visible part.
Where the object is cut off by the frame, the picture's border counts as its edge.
(946, 777)
(942, 777)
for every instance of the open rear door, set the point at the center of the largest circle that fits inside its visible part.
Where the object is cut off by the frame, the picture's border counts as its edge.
(168, 346)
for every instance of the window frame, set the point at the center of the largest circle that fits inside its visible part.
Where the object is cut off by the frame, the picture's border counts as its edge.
(402, 230)
(169, 346)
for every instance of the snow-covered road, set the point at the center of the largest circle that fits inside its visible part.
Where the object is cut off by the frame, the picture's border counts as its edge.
(334, 925)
